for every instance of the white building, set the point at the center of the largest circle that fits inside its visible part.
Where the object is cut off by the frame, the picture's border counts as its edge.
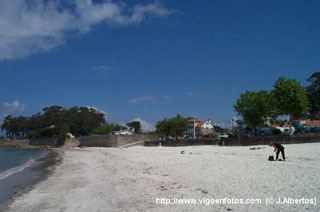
(205, 127)
(123, 132)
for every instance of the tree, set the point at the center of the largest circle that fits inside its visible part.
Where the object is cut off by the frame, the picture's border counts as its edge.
(290, 98)
(82, 120)
(107, 128)
(134, 125)
(56, 121)
(175, 126)
(255, 107)
(7, 126)
(313, 92)
(163, 127)
(15, 127)
(59, 131)
(54, 115)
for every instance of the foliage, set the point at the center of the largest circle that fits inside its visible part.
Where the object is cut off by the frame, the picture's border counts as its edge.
(175, 126)
(55, 121)
(287, 98)
(135, 125)
(107, 128)
(82, 120)
(290, 98)
(50, 132)
(255, 107)
(313, 92)
(15, 127)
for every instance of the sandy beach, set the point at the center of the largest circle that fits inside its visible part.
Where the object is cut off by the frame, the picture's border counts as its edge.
(131, 179)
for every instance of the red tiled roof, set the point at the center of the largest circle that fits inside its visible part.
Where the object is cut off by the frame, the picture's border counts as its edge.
(313, 123)
(193, 120)
(200, 123)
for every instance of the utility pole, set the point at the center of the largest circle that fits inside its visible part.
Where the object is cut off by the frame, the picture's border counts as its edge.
(194, 127)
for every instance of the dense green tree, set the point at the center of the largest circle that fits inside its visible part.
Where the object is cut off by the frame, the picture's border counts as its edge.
(55, 121)
(54, 115)
(8, 126)
(175, 126)
(313, 92)
(135, 125)
(164, 127)
(107, 128)
(58, 131)
(290, 98)
(15, 127)
(82, 120)
(255, 107)
(36, 122)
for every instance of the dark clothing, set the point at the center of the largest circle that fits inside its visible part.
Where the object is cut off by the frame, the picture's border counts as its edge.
(282, 153)
(280, 148)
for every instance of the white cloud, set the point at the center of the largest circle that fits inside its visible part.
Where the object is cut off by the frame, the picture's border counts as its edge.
(145, 126)
(167, 96)
(15, 106)
(197, 94)
(12, 108)
(33, 26)
(139, 99)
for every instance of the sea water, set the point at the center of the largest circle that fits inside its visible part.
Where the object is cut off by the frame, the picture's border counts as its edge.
(16, 170)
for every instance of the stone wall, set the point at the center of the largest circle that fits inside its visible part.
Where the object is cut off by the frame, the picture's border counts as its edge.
(14, 143)
(153, 140)
(53, 142)
(129, 139)
(187, 142)
(263, 140)
(99, 141)
(88, 141)
(243, 141)
(114, 140)
(71, 142)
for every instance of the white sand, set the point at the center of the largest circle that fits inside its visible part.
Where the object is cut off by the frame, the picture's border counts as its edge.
(130, 179)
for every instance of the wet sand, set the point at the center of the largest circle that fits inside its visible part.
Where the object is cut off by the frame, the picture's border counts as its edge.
(23, 182)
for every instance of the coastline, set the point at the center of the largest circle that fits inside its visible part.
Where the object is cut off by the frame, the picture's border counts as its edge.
(43, 168)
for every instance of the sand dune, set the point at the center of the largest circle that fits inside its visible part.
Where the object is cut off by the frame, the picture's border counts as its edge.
(131, 179)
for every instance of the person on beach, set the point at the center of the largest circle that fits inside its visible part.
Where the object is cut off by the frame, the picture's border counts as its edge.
(279, 148)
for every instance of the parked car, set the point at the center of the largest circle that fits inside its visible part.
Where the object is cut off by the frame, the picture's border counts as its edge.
(316, 129)
(246, 134)
(304, 130)
(286, 130)
(224, 135)
(262, 131)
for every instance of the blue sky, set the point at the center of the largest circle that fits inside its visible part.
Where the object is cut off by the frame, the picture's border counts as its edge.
(151, 59)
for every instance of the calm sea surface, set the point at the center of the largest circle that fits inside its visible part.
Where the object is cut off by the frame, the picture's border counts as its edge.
(17, 170)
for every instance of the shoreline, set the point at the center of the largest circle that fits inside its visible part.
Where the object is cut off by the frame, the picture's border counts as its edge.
(45, 167)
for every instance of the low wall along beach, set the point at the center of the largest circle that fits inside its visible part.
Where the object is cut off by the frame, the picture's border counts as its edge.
(242, 141)
(88, 141)
(115, 140)
(153, 140)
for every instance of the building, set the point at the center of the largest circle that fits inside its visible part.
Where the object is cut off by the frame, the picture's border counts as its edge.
(199, 128)
(312, 123)
(123, 132)
(206, 128)
(190, 131)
